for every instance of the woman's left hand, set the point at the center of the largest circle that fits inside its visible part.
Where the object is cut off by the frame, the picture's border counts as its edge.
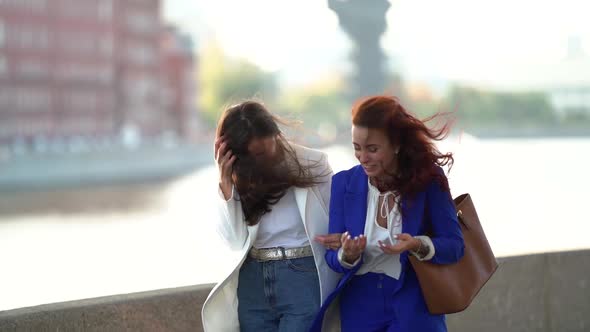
(404, 242)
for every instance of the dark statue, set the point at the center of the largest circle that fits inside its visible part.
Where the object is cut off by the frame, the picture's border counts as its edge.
(364, 22)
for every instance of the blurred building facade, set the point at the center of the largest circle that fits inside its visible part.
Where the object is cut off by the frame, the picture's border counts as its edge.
(94, 70)
(178, 88)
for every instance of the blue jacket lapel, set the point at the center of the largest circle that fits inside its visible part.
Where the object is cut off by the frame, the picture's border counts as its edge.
(356, 202)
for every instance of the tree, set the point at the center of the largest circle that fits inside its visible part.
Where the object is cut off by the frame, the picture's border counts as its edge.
(224, 81)
(479, 108)
(322, 107)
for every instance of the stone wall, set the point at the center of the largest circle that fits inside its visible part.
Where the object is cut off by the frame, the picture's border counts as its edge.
(545, 292)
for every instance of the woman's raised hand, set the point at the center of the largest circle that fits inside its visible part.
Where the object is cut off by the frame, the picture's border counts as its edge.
(225, 160)
(352, 248)
(404, 242)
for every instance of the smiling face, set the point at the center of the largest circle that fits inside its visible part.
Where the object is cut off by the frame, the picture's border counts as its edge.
(374, 151)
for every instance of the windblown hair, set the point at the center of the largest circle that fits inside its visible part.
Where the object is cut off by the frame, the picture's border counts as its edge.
(418, 157)
(261, 184)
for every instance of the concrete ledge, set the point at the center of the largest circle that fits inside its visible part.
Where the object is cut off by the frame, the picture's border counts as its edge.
(545, 292)
(177, 309)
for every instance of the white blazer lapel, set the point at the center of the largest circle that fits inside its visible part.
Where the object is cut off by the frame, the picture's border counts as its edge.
(301, 199)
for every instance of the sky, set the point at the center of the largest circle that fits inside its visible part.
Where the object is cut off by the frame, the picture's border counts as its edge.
(502, 43)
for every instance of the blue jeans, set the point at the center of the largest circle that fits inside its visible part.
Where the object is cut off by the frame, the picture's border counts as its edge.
(282, 295)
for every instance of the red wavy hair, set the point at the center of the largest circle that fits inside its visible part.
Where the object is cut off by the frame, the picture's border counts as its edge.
(418, 157)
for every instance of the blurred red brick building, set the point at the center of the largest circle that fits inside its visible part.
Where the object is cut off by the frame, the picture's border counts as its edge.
(97, 69)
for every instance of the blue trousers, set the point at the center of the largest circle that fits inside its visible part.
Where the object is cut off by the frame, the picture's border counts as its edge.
(281, 295)
(375, 302)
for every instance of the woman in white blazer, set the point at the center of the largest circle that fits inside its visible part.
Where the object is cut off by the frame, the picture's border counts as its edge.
(274, 198)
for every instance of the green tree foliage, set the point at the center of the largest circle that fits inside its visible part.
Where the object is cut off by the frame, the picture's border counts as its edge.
(485, 108)
(576, 117)
(322, 107)
(224, 81)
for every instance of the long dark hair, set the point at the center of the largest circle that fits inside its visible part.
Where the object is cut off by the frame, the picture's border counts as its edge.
(418, 156)
(261, 184)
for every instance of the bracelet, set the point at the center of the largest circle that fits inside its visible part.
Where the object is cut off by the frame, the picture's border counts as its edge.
(419, 246)
(422, 251)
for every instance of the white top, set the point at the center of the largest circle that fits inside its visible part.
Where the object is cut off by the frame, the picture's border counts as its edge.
(374, 259)
(282, 226)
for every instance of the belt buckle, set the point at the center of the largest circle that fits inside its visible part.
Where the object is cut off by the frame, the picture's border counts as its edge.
(283, 254)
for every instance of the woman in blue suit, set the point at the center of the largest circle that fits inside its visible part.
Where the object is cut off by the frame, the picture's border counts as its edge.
(380, 212)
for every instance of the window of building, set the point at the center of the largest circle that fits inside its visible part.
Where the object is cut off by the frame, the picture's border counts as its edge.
(27, 99)
(3, 66)
(39, 5)
(2, 33)
(5, 97)
(26, 38)
(29, 36)
(142, 22)
(101, 10)
(43, 39)
(33, 69)
(81, 100)
(75, 9)
(106, 46)
(105, 75)
(33, 5)
(84, 73)
(142, 54)
(77, 43)
(29, 5)
(105, 10)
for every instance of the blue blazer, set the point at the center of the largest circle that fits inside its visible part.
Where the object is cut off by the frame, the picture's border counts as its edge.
(432, 209)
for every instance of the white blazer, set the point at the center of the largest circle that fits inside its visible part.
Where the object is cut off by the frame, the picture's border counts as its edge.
(220, 310)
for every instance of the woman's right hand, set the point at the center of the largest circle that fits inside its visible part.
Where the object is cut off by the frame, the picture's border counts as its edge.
(330, 241)
(352, 248)
(225, 160)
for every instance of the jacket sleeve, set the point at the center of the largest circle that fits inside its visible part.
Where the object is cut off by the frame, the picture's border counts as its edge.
(447, 237)
(337, 220)
(326, 173)
(231, 225)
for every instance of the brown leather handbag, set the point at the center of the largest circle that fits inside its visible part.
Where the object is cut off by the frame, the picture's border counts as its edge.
(450, 288)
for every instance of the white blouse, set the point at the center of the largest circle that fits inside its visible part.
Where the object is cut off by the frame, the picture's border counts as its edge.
(282, 226)
(374, 259)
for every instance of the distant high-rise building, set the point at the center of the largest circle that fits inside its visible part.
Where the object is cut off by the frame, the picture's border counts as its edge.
(90, 68)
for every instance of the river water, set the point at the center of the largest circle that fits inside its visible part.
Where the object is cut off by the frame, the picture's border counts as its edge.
(67, 244)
